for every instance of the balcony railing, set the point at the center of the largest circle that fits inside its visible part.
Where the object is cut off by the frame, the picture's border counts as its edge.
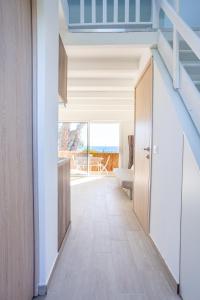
(109, 14)
(82, 163)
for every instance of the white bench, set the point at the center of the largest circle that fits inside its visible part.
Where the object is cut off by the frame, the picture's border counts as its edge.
(125, 177)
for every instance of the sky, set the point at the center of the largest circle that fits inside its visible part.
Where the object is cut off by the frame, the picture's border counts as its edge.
(101, 134)
(104, 134)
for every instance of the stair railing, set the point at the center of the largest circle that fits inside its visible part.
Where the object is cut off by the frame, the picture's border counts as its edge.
(180, 28)
(129, 17)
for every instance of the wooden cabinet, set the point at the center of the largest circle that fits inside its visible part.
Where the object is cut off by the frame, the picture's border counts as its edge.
(62, 74)
(64, 206)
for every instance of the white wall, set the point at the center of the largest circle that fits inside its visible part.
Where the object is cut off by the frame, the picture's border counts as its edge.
(125, 118)
(166, 171)
(189, 11)
(47, 14)
(190, 223)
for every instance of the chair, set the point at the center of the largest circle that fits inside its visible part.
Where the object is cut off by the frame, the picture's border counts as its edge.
(125, 177)
(103, 167)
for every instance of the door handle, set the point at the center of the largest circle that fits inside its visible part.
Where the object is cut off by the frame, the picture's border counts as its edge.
(148, 156)
(147, 149)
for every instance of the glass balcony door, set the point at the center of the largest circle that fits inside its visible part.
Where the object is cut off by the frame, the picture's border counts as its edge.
(92, 147)
(73, 144)
(103, 147)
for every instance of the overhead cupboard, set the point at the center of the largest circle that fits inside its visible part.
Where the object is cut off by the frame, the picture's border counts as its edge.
(62, 72)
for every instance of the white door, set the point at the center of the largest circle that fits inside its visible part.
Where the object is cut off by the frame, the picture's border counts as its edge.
(190, 228)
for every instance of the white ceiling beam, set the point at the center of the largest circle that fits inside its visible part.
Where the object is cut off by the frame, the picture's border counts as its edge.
(113, 88)
(72, 107)
(95, 115)
(100, 82)
(109, 51)
(100, 100)
(140, 39)
(103, 64)
(107, 74)
(104, 94)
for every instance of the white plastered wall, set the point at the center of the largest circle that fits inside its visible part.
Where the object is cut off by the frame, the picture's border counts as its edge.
(47, 116)
(166, 171)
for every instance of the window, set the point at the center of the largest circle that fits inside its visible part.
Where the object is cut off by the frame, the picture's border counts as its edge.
(92, 147)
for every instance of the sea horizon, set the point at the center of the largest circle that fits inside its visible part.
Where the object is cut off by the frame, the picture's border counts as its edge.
(104, 148)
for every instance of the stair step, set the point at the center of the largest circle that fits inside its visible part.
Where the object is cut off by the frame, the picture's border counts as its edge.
(188, 56)
(182, 44)
(198, 86)
(193, 70)
(192, 64)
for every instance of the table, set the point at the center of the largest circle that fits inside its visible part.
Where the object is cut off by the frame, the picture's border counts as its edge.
(90, 161)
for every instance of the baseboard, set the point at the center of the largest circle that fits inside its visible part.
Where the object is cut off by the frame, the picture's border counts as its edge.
(171, 278)
(43, 289)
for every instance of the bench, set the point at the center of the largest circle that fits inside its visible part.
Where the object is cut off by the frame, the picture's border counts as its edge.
(125, 177)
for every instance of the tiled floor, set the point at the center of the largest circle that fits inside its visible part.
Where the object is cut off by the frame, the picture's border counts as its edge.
(107, 256)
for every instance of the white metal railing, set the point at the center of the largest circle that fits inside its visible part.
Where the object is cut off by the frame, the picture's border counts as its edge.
(180, 28)
(129, 18)
(181, 79)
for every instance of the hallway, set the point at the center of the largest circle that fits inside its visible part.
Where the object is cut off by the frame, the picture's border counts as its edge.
(107, 256)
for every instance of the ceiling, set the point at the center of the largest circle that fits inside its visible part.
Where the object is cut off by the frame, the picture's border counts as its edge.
(103, 75)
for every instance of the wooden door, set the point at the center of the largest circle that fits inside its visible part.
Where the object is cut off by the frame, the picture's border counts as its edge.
(16, 182)
(142, 160)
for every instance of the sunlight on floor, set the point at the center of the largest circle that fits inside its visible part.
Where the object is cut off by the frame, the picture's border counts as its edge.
(85, 179)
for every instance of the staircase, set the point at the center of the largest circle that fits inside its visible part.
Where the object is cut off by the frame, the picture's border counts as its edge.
(190, 62)
(181, 60)
(179, 47)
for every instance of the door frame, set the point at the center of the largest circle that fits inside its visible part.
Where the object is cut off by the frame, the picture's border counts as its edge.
(35, 148)
(149, 64)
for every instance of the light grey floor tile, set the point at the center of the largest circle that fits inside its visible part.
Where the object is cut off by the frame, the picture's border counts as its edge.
(107, 256)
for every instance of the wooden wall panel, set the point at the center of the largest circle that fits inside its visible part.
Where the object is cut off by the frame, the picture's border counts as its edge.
(62, 82)
(16, 183)
(64, 201)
